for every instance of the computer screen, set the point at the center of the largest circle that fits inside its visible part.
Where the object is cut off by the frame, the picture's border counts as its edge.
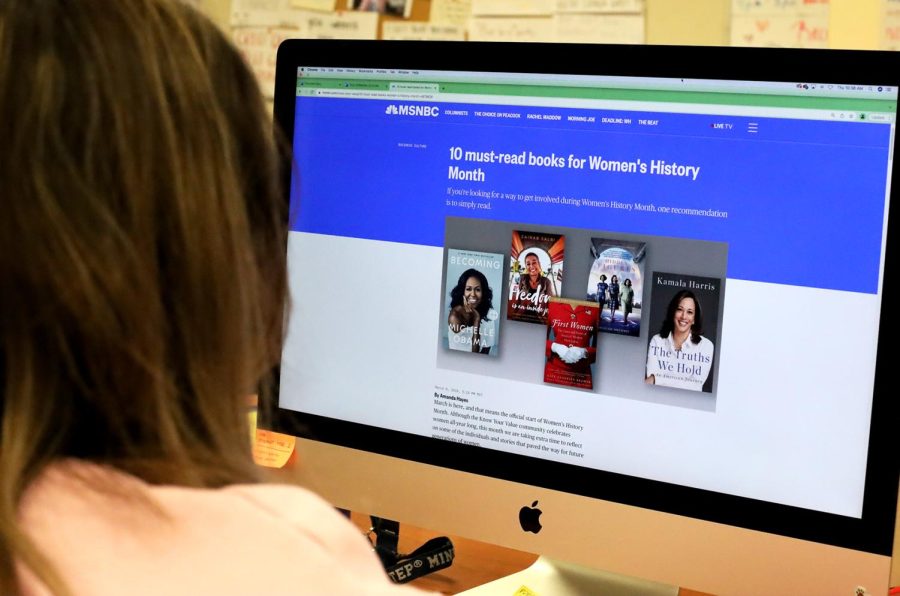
(647, 288)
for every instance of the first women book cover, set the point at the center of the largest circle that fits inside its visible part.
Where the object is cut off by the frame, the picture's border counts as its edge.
(571, 348)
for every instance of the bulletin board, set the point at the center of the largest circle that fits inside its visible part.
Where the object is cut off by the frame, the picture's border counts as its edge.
(258, 26)
(862, 24)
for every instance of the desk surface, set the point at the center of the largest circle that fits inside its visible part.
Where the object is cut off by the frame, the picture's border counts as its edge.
(475, 563)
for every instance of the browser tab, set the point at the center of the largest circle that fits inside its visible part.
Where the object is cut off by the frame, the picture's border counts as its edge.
(429, 87)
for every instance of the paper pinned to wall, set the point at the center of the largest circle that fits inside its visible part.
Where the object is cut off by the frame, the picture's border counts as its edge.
(600, 28)
(339, 25)
(259, 46)
(451, 12)
(781, 32)
(398, 30)
(481, 8)
(780, 23)
(262, 13)
(512, 29)
(599, 6)
(779, 7)
(320, 5)
(890, 30)
(270, 449)
(259, 27)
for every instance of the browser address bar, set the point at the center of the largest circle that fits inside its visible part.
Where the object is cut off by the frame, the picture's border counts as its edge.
(359, 94)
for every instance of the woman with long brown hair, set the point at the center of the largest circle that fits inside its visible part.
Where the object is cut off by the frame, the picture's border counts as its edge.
(142, 295)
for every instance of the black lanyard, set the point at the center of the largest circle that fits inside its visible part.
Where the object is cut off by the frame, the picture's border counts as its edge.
(435, 554)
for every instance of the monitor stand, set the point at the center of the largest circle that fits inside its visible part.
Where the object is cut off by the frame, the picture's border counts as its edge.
(559, 578)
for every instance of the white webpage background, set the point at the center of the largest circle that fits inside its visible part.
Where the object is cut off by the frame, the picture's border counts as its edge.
(791, 424)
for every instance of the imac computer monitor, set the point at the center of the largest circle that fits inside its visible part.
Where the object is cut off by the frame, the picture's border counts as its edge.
(644, 290)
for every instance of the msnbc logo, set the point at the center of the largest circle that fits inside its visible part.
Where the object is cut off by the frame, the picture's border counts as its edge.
(407, 110)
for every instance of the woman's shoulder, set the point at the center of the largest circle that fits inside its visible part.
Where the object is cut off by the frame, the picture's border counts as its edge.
(87, 485)
(705, 343)
(239, 539)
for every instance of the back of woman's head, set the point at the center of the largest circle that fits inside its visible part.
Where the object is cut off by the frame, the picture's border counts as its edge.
(141, 246)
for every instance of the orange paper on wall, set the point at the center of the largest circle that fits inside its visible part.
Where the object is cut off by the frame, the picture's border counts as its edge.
(270, 449)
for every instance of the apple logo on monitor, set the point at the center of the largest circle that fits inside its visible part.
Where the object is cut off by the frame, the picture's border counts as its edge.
(529, 518)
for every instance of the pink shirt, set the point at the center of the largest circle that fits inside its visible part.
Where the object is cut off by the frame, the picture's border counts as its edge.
(262, 540)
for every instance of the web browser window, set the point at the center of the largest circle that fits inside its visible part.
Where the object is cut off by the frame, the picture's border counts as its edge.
(631, 275)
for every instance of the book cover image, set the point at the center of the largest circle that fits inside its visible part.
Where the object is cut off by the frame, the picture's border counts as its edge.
(616, 284)
(571, 349)
(535, 274)
(684, 322)
(472, 287)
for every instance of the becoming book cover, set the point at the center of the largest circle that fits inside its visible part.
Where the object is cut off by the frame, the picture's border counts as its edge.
(471, 322)
(571, 348)
(684, 322)
(535, 274)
